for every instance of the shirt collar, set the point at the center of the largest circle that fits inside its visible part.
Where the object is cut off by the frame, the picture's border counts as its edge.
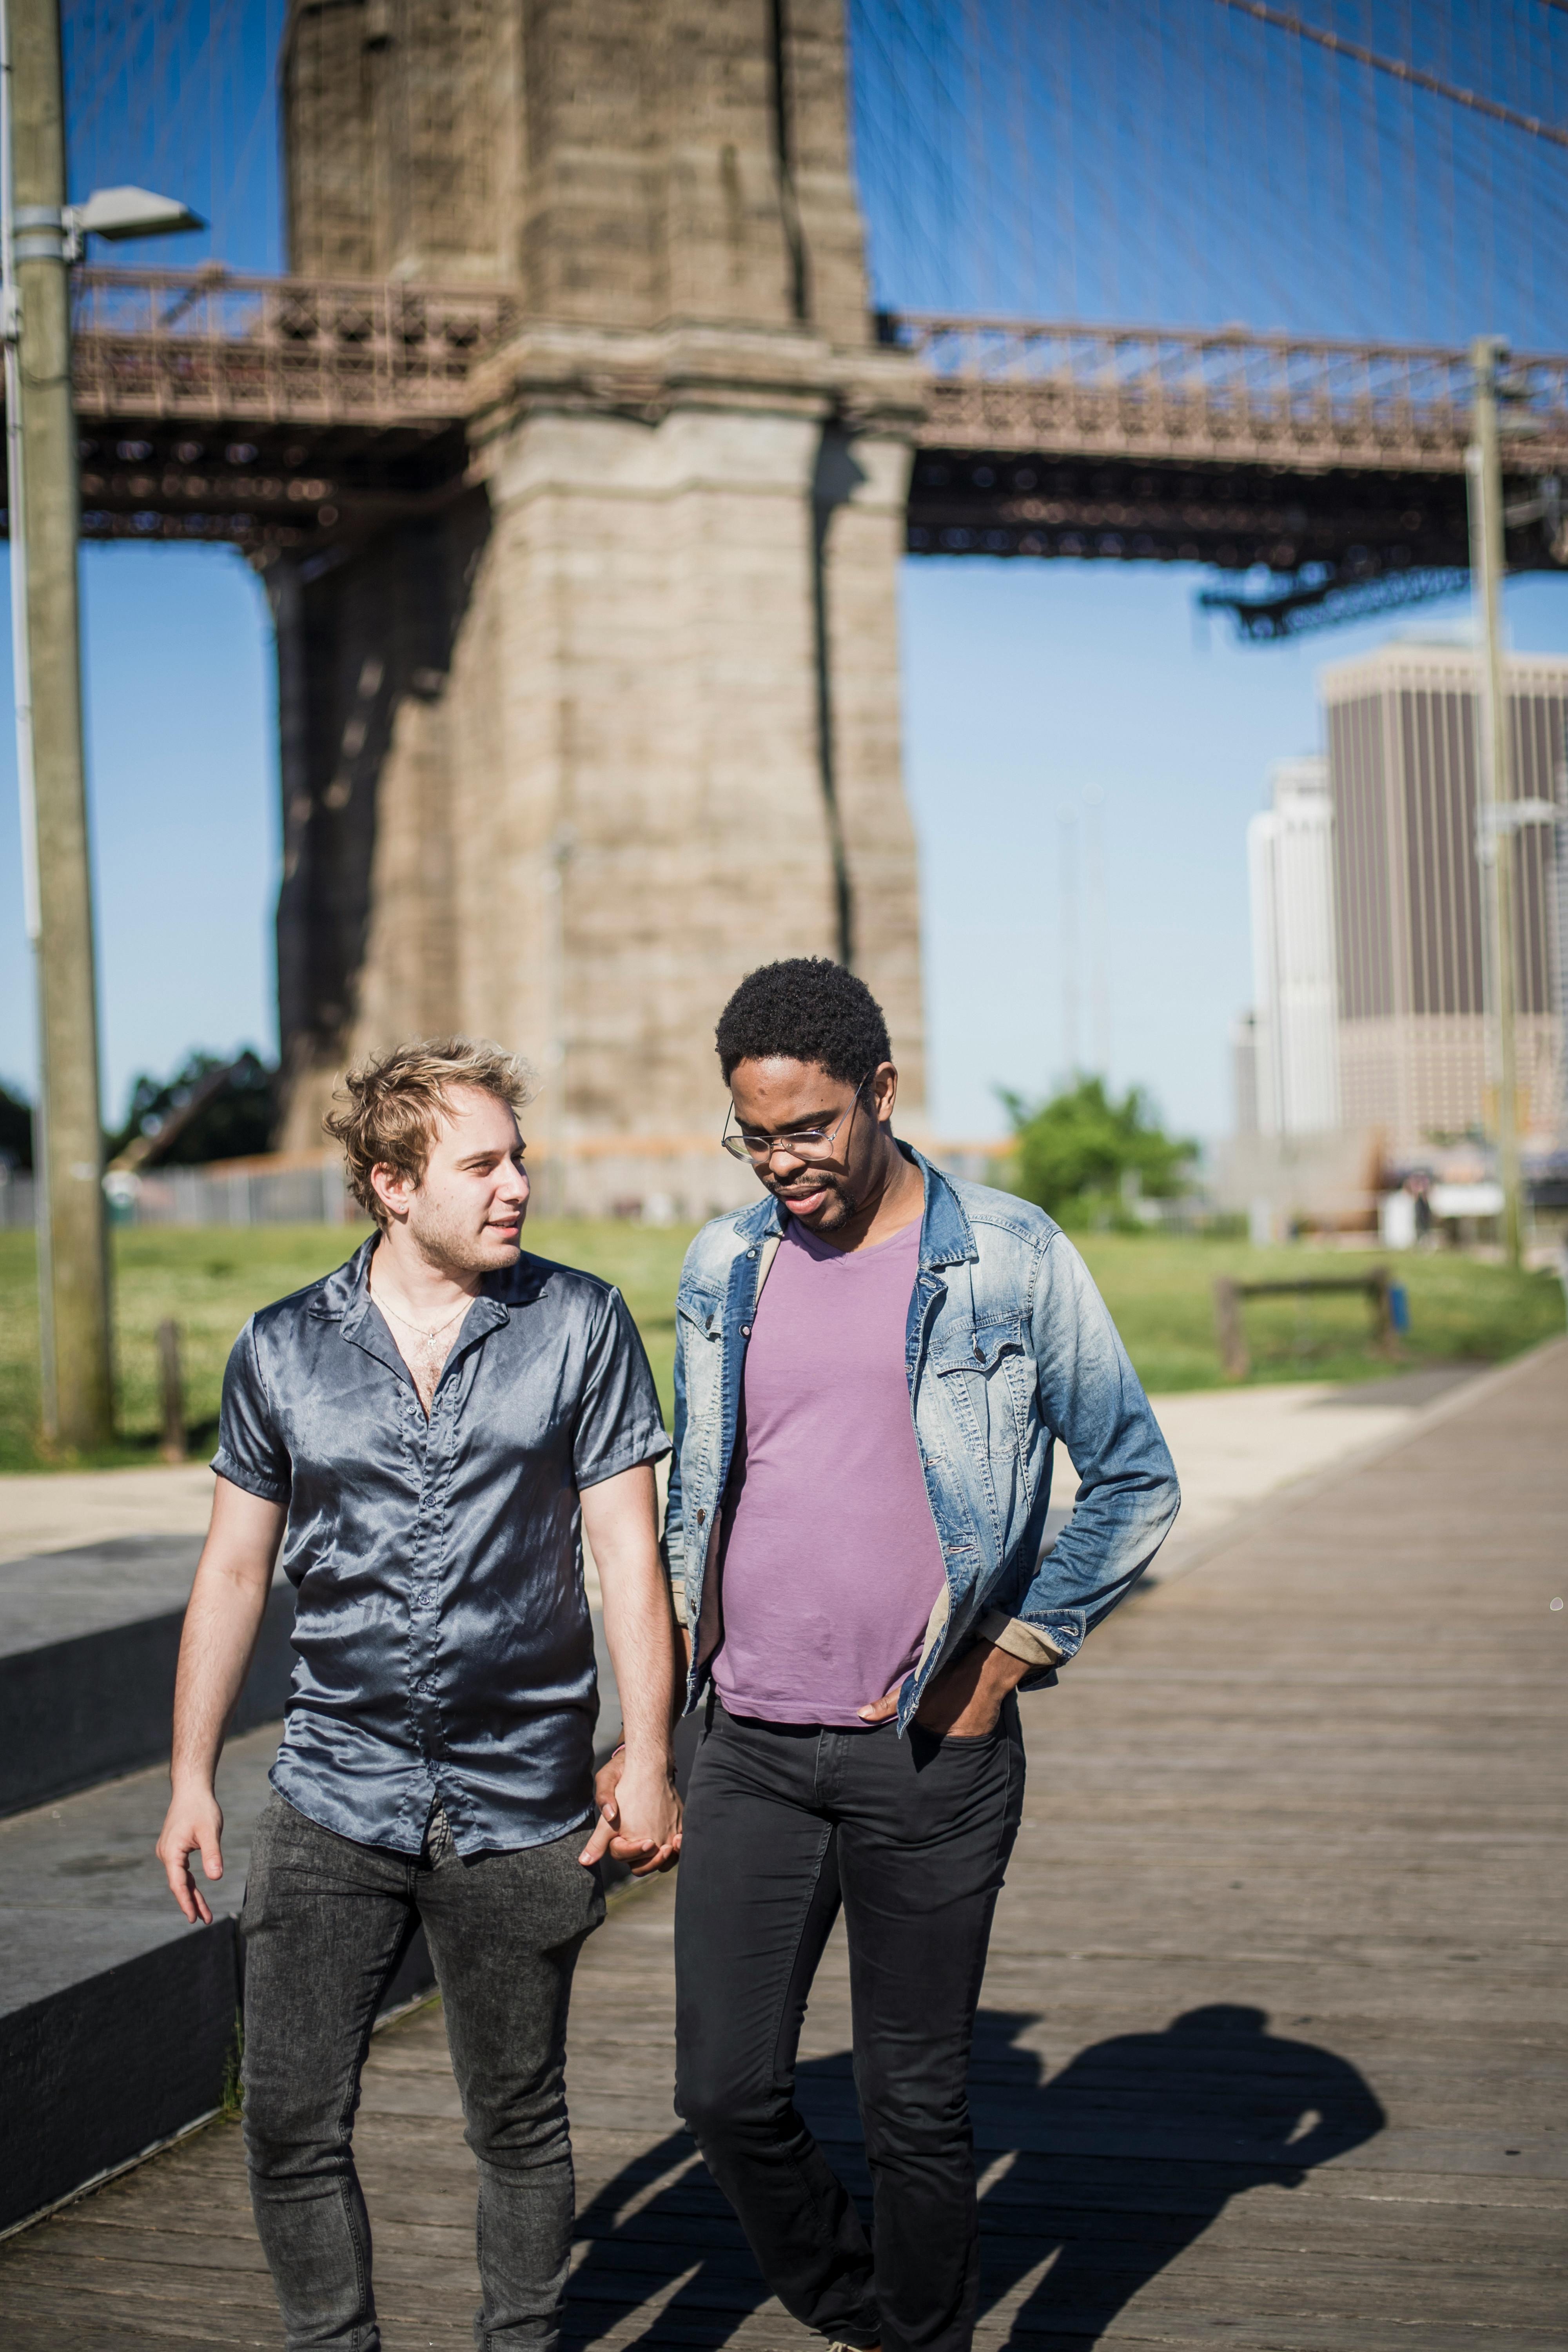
(344, 1298)
(946, 1238)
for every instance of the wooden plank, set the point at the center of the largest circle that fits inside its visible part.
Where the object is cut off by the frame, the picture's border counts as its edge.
(1293, 1846)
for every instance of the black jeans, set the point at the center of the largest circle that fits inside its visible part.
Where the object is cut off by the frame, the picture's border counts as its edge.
(911, 1836)
(325, 1924)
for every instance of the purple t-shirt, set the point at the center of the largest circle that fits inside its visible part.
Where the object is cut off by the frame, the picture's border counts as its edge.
(830, 1557)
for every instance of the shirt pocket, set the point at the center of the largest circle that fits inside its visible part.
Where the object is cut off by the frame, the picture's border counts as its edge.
(992, 1341)
(699, 1334)
(702, 1310)
(987, 1375)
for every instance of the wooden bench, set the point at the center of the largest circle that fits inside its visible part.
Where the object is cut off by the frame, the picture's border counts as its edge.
(1377, 1283)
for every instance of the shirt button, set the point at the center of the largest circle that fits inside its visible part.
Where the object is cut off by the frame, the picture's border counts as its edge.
(745, 1330)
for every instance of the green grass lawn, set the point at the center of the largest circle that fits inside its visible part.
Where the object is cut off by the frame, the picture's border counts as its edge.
(1160, 1291)
(211, 1278)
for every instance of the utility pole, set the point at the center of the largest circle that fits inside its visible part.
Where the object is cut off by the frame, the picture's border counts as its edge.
(1494, 805)
(41, 438)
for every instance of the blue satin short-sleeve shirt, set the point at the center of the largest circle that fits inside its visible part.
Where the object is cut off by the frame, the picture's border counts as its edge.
(444, 1641)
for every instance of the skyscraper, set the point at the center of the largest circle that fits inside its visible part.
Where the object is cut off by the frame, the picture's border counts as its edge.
(1289, 848)
(1401, 727)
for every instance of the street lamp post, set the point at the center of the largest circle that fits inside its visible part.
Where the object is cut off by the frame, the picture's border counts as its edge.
(73, 1258)
(39, 237)
(1483, 464)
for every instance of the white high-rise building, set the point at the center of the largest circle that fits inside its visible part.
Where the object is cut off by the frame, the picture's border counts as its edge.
(1290, 862)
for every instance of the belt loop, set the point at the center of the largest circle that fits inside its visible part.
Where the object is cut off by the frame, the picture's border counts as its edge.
(708, 1709)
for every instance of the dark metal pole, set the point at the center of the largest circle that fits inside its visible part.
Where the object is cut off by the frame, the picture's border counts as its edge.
(78, 1386)
(1494, 835)
(172, 1381)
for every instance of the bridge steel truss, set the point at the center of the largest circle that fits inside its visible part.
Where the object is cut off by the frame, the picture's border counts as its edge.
(1334, 471)
(278, 414)
(271, 413)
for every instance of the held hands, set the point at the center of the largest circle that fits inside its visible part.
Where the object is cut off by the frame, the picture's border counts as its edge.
(193, 1824)
(639, 1816)
(964, 1700)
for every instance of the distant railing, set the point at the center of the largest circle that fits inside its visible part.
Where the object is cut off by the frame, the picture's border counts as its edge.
(1164, 394)
(17, 1199)
(210, 345)
(311, 1195)
(207, 344)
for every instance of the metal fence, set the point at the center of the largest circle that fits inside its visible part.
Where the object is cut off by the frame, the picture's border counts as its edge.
(212, 345)
(195, 1196)
(1171, 395)
(16, 1198)
(216, 346)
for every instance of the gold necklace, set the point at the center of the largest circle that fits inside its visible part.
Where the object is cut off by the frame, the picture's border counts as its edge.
(387, 1308)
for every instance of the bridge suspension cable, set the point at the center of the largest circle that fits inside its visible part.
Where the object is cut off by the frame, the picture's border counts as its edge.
(1171, 158)
(1400, 68)
(1400, 173)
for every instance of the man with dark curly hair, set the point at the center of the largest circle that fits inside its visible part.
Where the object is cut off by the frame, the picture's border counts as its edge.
(425, 1433)
(855, 1526)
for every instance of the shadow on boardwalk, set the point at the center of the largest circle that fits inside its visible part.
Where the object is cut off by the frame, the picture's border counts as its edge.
(1092, 2183)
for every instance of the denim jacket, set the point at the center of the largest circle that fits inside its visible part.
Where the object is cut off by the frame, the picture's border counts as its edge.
(1008, 1346)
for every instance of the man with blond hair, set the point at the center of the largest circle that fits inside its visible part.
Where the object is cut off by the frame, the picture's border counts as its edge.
(427, 1433)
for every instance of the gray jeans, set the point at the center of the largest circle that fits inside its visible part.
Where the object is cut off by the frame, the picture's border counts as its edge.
(325, 1924)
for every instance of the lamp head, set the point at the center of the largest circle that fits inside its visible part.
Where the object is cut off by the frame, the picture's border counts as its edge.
(119, 214)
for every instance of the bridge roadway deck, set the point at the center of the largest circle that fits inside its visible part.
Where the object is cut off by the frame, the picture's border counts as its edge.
(291, 413)
(1271, 2051)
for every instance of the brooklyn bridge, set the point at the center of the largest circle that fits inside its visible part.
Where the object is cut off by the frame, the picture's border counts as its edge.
(579, 462)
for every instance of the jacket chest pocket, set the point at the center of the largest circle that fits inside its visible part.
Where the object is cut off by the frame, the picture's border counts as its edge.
(987, 1375)
(984, 1349)
(700, 1330)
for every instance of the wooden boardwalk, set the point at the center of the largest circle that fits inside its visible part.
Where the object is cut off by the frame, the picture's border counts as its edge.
(1271, 2050)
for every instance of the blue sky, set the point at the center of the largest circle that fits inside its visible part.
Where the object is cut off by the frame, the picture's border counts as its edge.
(1163, 159)
(1175, 161)
(178, 669)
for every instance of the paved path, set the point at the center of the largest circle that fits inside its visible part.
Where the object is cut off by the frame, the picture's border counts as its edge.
(1234, 1447)
(55, 1510)
(1271, 2051)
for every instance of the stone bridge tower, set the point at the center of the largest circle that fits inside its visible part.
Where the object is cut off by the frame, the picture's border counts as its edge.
(570, 747)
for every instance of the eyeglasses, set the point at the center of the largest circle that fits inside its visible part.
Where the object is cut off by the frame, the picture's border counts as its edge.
(800, 1143)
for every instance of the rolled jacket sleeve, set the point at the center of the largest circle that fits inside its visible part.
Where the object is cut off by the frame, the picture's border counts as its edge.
(618, 1424)
(250, 1452)
(1020, 1640)
(1127, 1496)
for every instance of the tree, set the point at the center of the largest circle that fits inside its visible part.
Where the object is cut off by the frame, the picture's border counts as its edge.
(16, 1129)
(1073, 1152)
(211, 1109)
